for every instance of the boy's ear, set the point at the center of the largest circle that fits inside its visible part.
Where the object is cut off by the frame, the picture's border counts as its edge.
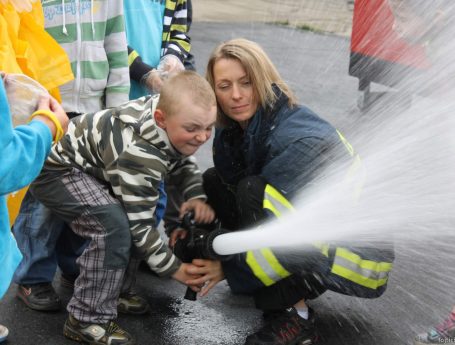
(160, 118)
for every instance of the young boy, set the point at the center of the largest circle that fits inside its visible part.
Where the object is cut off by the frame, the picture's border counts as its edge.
(102, 179)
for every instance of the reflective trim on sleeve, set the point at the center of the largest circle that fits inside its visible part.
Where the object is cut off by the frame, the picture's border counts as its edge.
(355, 176)
(351, 266)
(346, 143)
(132, 56)
(323, 247)
(265, 266)
(275, 201)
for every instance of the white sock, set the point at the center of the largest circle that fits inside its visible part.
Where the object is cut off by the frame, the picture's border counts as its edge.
(303, 313)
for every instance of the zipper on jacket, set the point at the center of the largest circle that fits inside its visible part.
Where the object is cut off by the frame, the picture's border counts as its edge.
(77, 82)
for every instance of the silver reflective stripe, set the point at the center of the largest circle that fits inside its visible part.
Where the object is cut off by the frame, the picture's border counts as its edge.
(365, 272)
(264, 264)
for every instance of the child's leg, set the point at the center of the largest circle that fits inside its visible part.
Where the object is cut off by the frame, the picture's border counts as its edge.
(36, 231)
(93, 213)
(129, 280)
(129, 301)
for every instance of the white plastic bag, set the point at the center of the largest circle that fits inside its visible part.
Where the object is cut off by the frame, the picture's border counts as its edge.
(23, 94)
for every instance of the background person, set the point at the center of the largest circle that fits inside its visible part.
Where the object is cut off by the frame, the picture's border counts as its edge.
(443, 333)
(22, 150)
(158, 41)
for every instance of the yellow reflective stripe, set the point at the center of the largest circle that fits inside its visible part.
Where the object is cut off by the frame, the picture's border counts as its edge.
(274, 264)
(132, 56)
(358, 278)
(268, 205)
(275, 194)
(257, 269)
(265, 266)
(346, 143)
(367, 273)
(355, 177)
(368, 264)
(323, 247)
(271, 193)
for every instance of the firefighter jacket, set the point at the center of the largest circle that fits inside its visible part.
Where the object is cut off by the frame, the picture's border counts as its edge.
(289, 147)
(285, 145)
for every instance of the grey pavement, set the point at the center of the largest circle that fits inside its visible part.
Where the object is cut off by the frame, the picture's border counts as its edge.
(419, 293)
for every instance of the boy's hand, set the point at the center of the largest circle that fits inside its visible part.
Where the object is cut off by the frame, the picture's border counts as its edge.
(209, 272)
(203, 213)
(177, 234)
(183, 276)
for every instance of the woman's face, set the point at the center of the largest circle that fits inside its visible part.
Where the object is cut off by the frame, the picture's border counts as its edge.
(234, 91)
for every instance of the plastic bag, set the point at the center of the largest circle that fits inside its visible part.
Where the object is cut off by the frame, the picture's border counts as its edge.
(170, 63)
(169, 66)
(23, 94)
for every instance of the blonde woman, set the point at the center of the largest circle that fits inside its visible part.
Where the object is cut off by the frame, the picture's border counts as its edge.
(266, 149)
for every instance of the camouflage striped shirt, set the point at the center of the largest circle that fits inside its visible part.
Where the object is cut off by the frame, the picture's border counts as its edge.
(124, 147)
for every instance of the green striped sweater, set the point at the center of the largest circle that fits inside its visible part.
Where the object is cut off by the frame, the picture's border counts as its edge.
(92, 32)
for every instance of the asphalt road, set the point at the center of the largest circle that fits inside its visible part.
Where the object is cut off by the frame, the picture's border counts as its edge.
(420, 291)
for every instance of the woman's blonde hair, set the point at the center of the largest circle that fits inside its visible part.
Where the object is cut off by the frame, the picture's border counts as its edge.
(258, 67)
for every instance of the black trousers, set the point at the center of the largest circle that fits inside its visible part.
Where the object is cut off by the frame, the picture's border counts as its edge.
(239, 207)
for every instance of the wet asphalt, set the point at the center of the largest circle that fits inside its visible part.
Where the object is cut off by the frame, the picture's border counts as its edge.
(420, 291)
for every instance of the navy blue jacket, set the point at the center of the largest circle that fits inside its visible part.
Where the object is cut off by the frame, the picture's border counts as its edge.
(285, 145)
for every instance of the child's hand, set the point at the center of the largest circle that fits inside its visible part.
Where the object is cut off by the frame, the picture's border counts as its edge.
(176, 234)
(210, 273)
(171, 64)
(154, 80)
(182, 275)
(47, 102)
(203, 213)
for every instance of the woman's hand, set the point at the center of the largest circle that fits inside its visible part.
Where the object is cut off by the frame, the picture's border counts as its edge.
(203, 213)
(209, 272)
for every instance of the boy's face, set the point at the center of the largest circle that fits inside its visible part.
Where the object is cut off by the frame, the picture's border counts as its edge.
(189, 128)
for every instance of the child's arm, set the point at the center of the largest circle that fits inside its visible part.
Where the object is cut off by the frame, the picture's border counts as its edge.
(179, 41)
(135, 178)
(24, 149)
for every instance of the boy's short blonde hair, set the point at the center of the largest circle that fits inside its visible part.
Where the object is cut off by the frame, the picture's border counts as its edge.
(184, 86)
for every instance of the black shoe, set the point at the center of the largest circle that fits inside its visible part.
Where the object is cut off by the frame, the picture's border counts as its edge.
(132, 303)
(285, 328)
(39, 296)
(96, 334)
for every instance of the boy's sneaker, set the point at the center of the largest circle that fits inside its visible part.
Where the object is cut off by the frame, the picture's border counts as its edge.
(94, 334)
(3, 333)
(285, 328)
(441, 334)
(40, 296)
(131, 303)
